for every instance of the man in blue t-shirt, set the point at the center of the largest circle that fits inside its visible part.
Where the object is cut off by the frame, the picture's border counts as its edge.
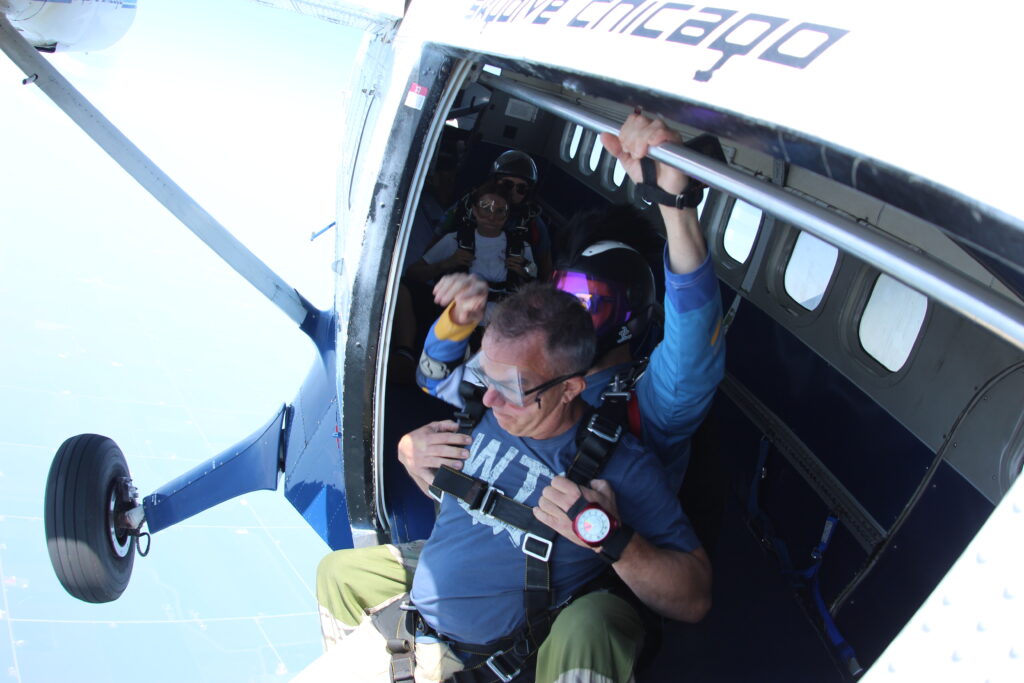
(468, 581)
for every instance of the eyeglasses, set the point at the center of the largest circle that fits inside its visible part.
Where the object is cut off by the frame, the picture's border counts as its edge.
(510, 386)
(518, 188)
(486, 206)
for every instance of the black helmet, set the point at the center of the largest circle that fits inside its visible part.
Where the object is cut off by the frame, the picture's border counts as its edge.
(616, 285)
(515, 163)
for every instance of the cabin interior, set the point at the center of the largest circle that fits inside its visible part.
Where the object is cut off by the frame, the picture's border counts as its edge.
(850, 398)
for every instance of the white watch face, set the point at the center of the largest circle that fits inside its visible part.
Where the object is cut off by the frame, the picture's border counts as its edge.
(593, 525)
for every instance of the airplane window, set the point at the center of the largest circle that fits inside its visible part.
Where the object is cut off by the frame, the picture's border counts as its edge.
(618, 174)
(810, 270)
(574, 146)
(891, 322)
(740, 232)
(595, 153)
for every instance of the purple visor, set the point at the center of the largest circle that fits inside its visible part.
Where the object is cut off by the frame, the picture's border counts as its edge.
(604, 300)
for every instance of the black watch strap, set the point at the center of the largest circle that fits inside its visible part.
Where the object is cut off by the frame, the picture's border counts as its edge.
(652, 194)
(611, 549)
(574, 511)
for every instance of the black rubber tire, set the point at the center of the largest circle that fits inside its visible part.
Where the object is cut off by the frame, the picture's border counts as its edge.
(92, 561)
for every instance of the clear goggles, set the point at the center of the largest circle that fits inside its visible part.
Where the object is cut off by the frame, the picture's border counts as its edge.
(507, 381)
(492, 207)
(604, 300)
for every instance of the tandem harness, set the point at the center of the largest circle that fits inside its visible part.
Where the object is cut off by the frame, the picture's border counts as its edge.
(596, 440)
(515, 245)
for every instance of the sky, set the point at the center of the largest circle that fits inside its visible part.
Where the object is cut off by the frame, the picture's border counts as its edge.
(119, 321)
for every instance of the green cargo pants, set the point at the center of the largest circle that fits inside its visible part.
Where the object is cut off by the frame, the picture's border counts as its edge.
(596, 639)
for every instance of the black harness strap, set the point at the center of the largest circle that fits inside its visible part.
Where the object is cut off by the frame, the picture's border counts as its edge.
(538, 541)
(465, 238)
(600, 433)
(473, 410)
(468, 418)
(479, 495)
(397, 625)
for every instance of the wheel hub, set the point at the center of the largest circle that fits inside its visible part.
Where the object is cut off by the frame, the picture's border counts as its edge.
(121, 499)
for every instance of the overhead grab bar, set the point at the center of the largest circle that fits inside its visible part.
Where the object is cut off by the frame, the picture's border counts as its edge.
(991, 310)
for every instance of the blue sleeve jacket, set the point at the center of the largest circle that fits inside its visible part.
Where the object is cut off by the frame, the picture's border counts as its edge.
(675, 392)
(684, 370)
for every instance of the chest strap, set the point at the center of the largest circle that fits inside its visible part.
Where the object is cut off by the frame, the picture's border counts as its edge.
(538, 538)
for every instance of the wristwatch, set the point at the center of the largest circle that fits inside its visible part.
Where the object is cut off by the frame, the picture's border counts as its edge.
(651, 193)
(593, 524)
(597, 528)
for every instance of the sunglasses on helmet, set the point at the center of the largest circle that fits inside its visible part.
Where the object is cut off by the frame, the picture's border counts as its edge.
(511, 185)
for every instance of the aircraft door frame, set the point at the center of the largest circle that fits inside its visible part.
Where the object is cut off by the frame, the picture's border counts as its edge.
(375, 198)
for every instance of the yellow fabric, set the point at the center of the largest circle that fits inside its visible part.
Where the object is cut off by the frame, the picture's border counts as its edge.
(448, 330)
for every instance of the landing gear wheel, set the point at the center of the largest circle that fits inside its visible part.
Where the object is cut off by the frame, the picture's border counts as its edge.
(86, 493)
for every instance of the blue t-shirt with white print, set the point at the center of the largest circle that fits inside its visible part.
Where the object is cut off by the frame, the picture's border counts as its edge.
(470, 578)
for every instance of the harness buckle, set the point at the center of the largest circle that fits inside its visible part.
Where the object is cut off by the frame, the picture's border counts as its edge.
(489, 499)
(612, 393)
(464, 421)
(499, 668)
(435, 493)
(543, 555)
(604, 428)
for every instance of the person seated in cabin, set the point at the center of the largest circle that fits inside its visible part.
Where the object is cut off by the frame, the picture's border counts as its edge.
(616, 286)
(517, 173)
(486, 245)
(507, 513)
